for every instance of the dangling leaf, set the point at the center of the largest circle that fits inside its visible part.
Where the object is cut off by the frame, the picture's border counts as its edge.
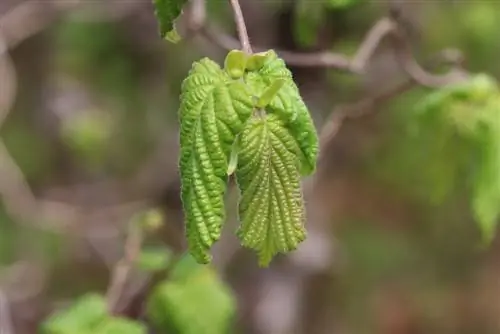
(288, 104)
(213, 111)
(166, 12)
(271, 208)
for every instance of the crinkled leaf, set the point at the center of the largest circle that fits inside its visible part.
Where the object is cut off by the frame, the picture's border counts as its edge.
(166, 12)
(213, 111)
(288, 104)
(198, 303)
(271, 208)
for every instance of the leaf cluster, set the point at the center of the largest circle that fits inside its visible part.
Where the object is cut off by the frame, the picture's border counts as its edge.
(247, 118)
(465, 118)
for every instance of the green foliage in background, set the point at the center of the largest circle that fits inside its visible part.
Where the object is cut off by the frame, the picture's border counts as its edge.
(190, 298)
(450, 143)
(469, 113)
(193, 300)
(309, 16)
(89, 315)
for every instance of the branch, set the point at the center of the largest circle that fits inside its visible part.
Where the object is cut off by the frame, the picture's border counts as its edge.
(6, 325)
(387, 27)
(121, 272)
(241, 27)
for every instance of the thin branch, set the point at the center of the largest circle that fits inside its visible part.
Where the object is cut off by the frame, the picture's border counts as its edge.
(371, 103)
(6, 325)
(121, 272)
(383, 28)
(371, 42)
(241, 26)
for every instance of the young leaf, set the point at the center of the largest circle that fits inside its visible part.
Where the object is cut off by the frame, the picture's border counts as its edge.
(288, 104)
(256, 61)
(271, 208)
(197, 303)
(213, 111)
(235, 63)
(114, 325)
(86, 313)
(166, 12)
(269, 94)
(486, 190)
(154, 259)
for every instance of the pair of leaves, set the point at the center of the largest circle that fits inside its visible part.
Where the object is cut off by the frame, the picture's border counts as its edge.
(252, 106)
(468, 115)
(89, 315)
(194, 300)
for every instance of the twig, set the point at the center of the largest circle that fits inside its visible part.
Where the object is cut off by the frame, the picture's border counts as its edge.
(383, 28)
(121, 272)
(241, 26)
(6, 326)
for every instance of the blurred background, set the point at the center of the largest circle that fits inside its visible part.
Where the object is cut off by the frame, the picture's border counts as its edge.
(91, 139)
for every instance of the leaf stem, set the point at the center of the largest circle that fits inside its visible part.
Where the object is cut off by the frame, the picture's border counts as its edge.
(241, 27)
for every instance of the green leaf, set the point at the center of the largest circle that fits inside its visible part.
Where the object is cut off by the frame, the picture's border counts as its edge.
(342, 4)
(120, 326)
(199, 303)
(235, 63)
(271, 208)
(257, 60)
(486, 188)
(166, 12)
(154, 259)
(467, 116)
(213, 111)
(309, 17)
(270, 93)
(288, 104)
(86, 313)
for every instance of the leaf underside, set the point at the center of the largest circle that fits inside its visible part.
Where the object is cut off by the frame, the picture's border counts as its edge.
(213, 111)
(271, 208)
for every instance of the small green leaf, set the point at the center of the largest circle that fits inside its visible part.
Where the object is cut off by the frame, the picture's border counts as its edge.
(257, 60)
(235, 63)
(270, 93)
(85, 314)
(213, 111)
(153, 259)
(271, 208)
(120, 326)
(173, 36)
(233, 161)
(166, 12)
(199, 303)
